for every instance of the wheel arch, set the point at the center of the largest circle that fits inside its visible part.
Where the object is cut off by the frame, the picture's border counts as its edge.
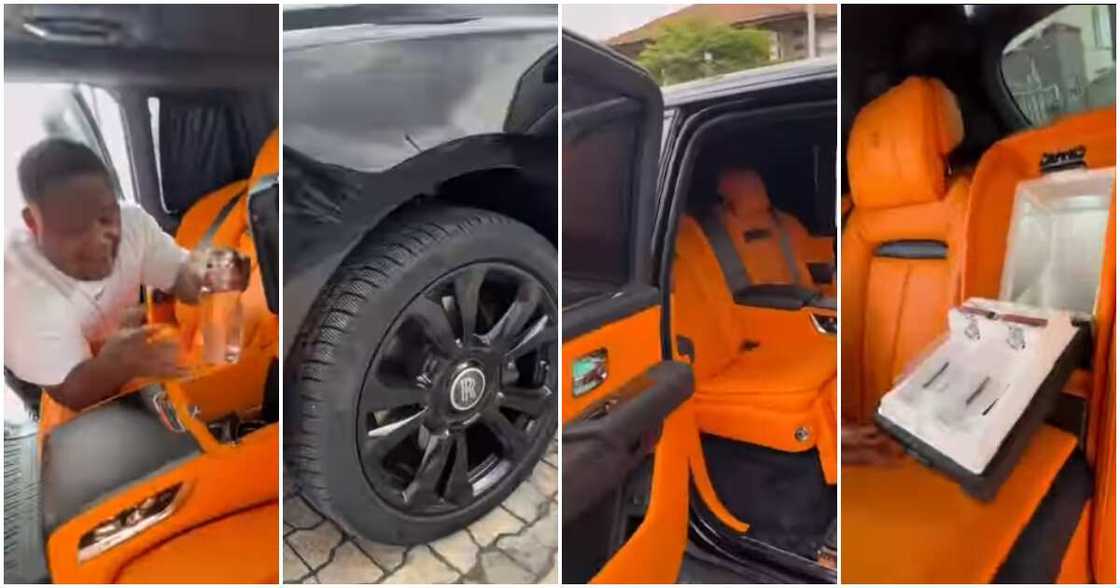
(508, 174)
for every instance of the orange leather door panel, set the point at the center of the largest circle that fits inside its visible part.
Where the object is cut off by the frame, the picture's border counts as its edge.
(654, 552)
(1102, 418)
(221, 480)
(238, 549)
(633, 345)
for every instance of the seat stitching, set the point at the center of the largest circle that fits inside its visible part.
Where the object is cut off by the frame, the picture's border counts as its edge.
(898, 319)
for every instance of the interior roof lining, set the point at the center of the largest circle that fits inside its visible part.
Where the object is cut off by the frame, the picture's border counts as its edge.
(113, 68)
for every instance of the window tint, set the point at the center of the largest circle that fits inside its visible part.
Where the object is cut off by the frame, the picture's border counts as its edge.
(1062, 64)
(598, 169)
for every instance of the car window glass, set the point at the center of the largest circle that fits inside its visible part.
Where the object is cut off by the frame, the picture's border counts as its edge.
(109, 117)
(598, 173)
(1062, 64)
(153, 120)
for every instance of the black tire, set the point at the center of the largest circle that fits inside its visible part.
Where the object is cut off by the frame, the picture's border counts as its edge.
(356, 329)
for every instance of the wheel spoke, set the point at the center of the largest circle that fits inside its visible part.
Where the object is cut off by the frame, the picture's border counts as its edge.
(418, 452)
(422, 490)
(437, 327)
(381, 440)
(516, 316)
(385, 392)
(540, 333)
(513, 440)
(459, 490)
(531, 401)
(467, 285)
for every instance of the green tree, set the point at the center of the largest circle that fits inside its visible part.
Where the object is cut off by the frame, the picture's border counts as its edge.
(694, 49)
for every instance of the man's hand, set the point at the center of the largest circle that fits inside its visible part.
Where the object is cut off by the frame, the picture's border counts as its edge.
(188, 284)
(212, 270)
(866, 445)
(145, 351)
(134, 316)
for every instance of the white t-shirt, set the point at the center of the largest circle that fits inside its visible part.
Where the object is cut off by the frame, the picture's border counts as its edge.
(51, 319)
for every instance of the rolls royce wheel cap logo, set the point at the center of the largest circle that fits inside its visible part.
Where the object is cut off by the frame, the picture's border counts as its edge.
(467, 388)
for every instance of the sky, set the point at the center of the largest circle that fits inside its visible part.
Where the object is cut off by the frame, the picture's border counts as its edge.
(601, 22)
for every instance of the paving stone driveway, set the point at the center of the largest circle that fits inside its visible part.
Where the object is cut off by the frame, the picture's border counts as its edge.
(513, 544)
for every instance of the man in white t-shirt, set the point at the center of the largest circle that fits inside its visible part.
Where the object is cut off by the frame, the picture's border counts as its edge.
(73, 276)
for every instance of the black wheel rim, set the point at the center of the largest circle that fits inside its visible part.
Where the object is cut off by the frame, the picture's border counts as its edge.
(459, 390)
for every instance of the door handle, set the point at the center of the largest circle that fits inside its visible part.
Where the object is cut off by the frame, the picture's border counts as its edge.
(824, 324)
(589, 372)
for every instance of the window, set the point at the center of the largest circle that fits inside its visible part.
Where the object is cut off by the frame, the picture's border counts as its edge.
(34, 111)
(667, 127)
(600, 142)
(1064, 63)
(109, 118)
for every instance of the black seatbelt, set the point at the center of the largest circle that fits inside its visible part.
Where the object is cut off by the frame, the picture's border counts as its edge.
(219, 220)
(159, 296)
(733, 271)
(787, 249)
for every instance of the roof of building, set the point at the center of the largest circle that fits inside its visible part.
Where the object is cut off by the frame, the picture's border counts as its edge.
(727, 13)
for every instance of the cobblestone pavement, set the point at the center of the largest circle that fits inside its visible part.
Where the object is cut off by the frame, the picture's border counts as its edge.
(512, 544)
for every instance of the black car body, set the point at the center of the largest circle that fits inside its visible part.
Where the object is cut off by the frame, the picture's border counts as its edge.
(419, 150)
(383, 104)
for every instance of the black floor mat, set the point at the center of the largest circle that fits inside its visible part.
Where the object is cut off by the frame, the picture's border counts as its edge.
(782, 496)
(1037, 555)
(24, 561)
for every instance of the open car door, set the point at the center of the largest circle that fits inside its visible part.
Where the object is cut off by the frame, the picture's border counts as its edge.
(627, 425)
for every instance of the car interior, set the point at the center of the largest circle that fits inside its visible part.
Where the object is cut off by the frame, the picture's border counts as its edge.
(753, 313)
(173, 480)
(699, 424)
(940, 127)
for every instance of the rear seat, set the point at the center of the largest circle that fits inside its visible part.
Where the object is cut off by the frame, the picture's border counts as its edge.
(772, 245)
(763, 376)
(231, 202)
(906, 523)
(901, 244)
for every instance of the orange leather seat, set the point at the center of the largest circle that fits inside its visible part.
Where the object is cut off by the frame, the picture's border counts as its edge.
(772, 245)
(902, 242)
(233, 231)
(763, 376)
(906, 523)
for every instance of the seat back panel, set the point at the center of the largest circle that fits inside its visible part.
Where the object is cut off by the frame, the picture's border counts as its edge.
(906, 311)
(901, 273)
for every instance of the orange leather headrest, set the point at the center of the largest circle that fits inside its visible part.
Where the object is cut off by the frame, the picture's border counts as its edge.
(898, 144)
(743, 192)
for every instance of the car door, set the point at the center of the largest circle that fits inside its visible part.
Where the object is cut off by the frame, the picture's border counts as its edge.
(627, 425)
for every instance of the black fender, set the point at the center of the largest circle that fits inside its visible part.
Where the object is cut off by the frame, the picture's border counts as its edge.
(328, 209)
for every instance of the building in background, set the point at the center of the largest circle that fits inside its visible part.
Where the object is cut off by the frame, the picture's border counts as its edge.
(798, 30)
(1065, 63)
